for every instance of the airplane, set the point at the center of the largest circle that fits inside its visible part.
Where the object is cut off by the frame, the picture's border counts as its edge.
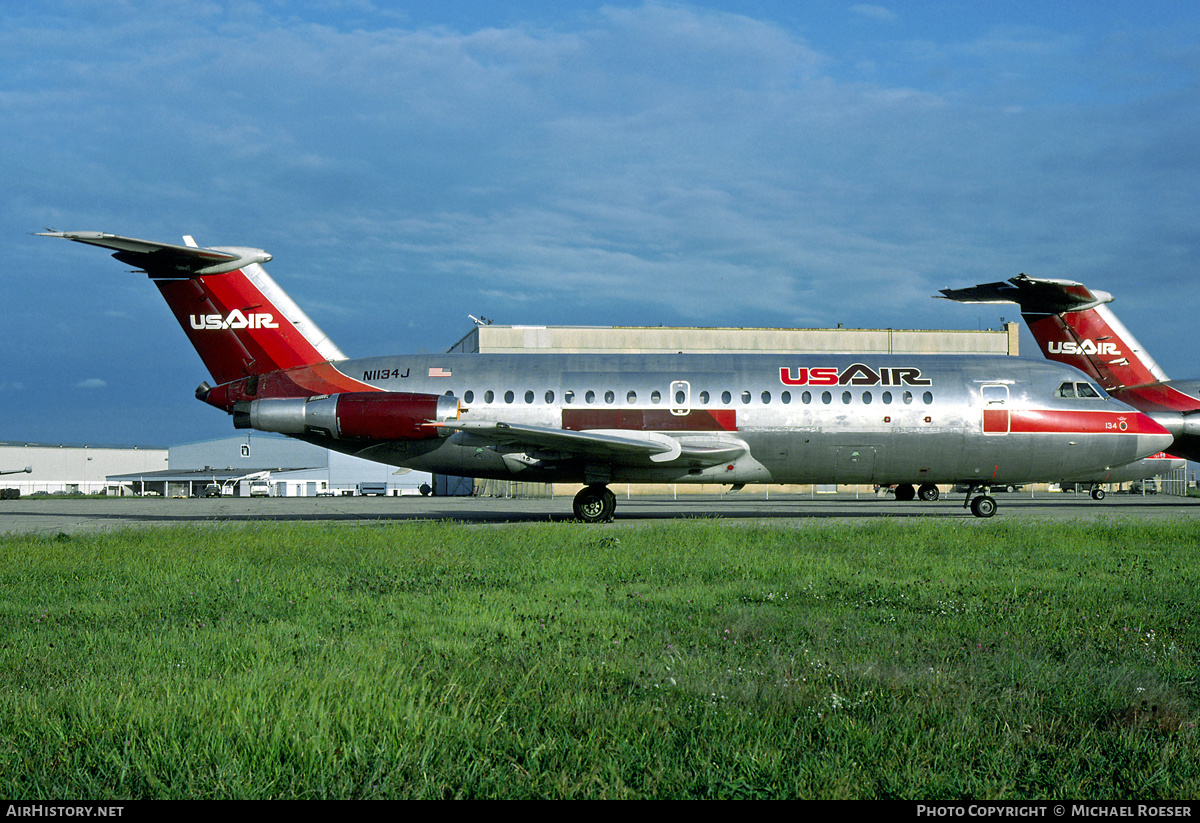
(912, 421)
(1074, 325)
(1155, 465)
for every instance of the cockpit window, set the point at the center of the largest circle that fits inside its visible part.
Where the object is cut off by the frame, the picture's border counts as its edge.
(1078, 390)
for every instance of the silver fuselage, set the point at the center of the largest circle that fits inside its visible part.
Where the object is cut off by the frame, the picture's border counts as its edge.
(802, 418)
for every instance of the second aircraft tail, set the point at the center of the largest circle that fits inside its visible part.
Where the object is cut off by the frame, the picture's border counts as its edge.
(1073, 324)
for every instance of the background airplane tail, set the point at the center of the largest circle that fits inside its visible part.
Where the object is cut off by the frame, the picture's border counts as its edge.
(1073, 325)
(239, 320)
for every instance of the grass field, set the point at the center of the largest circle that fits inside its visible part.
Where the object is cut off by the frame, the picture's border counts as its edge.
(691, 659)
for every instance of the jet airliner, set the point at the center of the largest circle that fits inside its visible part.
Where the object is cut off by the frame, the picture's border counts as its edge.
(595, 419)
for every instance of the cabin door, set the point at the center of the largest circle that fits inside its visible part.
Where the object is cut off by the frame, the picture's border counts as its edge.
(996, 417)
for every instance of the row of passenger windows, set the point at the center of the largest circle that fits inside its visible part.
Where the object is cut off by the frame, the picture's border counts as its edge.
(807, 398)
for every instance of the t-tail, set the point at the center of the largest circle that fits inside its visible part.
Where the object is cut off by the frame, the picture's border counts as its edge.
(1074, 325)
(252, 337)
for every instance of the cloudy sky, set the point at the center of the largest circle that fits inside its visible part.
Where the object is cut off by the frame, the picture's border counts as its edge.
(752, 163)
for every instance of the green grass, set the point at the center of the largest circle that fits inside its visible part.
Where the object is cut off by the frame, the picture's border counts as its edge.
(689, 659)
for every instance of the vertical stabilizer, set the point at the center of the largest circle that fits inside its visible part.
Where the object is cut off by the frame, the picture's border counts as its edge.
(239, 320)
(1073, 325)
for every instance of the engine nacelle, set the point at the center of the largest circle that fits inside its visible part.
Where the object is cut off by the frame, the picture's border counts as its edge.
(350, 415)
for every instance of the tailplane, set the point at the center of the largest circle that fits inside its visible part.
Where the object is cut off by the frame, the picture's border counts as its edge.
(240, 321)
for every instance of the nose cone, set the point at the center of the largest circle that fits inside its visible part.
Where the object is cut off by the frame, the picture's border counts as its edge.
(1151, 436)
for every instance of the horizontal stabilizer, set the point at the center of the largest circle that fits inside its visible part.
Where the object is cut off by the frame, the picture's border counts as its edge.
(167, 259)
(1033, 295)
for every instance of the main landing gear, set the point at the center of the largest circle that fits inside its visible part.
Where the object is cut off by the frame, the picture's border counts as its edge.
(927, 492)
(983, 505)
(595, 504)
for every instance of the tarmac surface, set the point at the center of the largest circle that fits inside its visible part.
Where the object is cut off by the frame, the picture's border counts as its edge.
(55, 515)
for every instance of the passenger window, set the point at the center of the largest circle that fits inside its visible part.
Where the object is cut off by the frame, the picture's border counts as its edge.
(529, 396)
(867, 398)
(610, 397)
(907, 397)
(745, 397)
(568, 397)
(508, 396)
(590, 397)
(887, 398)
(655, 397)
(549, 397)
(785, 397)
(469, 396)
(726, 397)
(806, 398)
(704, 398)
(846, 397)
(631, 398)
(766, 397)
(826, 398)
(488, 396)
(927, 398)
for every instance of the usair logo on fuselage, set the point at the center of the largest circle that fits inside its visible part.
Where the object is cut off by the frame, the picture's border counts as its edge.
(855, 375)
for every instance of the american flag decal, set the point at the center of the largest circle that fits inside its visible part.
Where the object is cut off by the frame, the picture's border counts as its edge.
(439, 372)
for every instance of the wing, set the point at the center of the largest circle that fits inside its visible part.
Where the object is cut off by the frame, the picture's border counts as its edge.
(618, 446)
(166, 259)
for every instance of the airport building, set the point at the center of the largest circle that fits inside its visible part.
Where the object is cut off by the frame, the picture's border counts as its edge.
(487, 338)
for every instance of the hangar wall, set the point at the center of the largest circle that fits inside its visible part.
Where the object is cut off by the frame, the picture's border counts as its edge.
(493, 339)
(73, 469)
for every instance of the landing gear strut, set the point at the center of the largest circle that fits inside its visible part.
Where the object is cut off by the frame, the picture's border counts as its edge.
(595, 504)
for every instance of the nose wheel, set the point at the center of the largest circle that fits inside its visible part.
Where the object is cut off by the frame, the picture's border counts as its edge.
(983, 504)
(595, 504)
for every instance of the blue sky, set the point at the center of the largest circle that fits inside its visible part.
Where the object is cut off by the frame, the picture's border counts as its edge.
(718, 163)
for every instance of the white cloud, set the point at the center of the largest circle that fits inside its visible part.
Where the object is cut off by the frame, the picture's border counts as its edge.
(875, 12)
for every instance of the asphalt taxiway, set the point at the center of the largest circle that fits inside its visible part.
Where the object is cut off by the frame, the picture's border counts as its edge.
(50, 516)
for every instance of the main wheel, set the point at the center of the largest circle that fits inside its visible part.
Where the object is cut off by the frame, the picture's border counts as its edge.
(983, 506)
(905, 492)
(1097, 493)
(595, 504)
(928, 492)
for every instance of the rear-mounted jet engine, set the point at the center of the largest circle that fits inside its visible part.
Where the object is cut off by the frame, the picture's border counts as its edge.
(351, 415)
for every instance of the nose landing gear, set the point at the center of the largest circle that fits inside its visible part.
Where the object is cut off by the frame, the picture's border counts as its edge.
(983, 505)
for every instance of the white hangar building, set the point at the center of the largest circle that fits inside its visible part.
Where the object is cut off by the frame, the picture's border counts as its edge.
(494, 339)
(291, 468)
